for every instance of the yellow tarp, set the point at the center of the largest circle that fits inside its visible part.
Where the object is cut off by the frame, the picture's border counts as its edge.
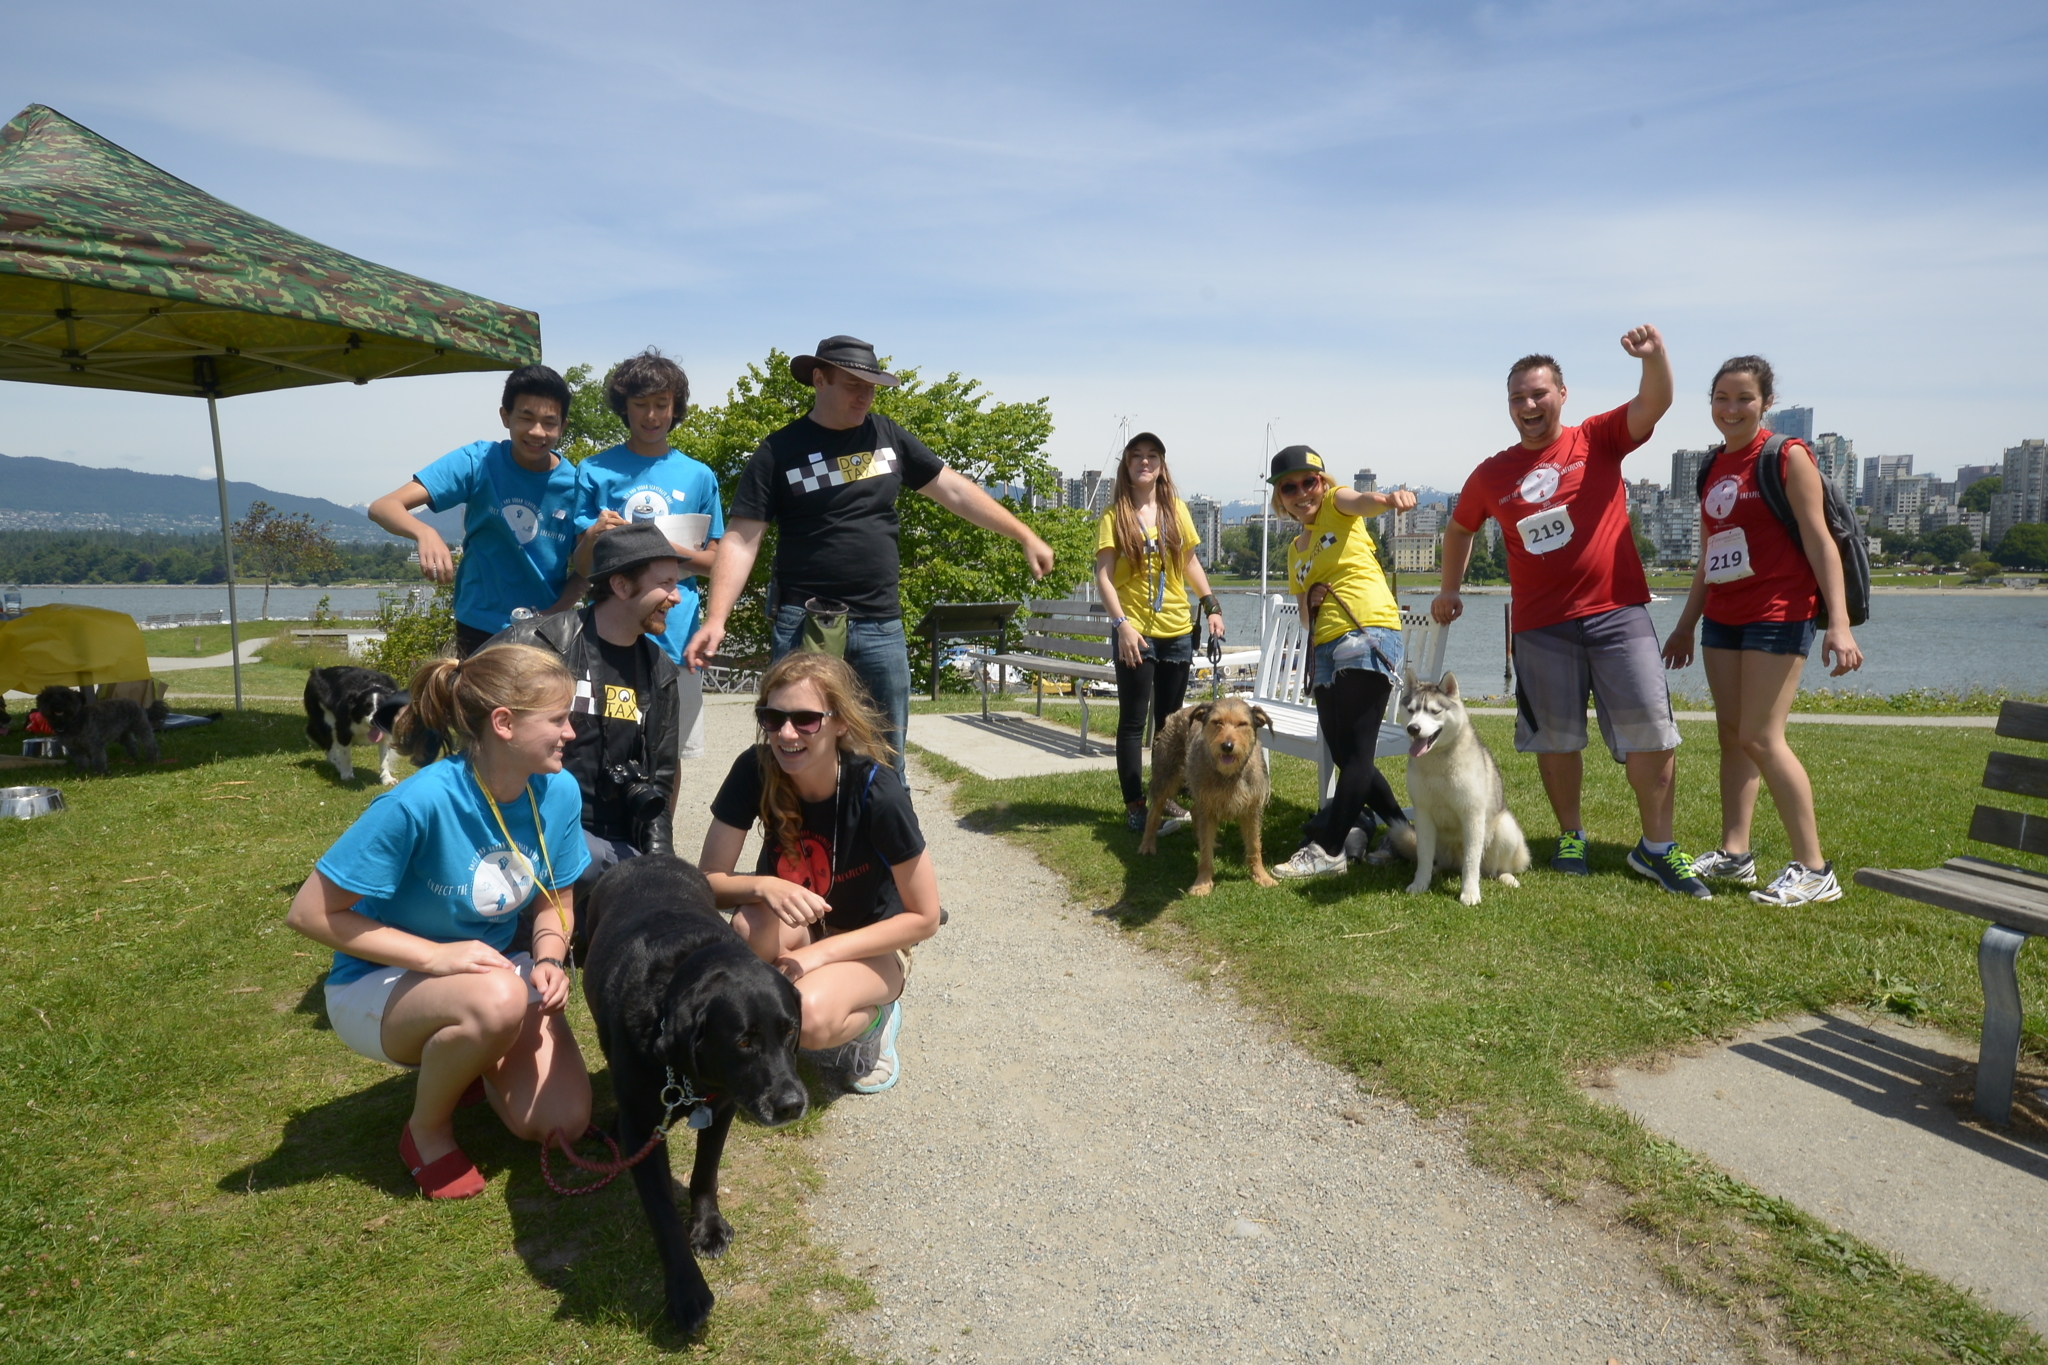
(70, 646)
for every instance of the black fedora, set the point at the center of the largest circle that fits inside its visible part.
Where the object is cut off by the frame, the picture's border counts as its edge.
(851, 354)
(624, 549)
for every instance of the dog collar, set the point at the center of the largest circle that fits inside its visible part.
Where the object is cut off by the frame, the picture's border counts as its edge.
(675, 1095)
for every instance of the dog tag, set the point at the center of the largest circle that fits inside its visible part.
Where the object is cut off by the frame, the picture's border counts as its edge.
(1728, 556)
(700, 1117)
(1544, 531)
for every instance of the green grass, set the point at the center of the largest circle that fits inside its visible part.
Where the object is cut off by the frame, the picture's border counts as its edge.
(1497, 1012)
(196, 1170)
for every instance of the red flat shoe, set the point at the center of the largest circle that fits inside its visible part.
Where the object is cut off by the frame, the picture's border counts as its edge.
(473, 1096)
(453, 1176)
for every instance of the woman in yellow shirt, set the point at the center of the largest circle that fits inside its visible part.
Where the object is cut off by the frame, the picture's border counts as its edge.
(1355, 625)
(1144, 564)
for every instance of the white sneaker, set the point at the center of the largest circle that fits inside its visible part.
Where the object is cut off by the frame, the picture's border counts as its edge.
(1800, 885)
(1310, 861)
(871, 1059)
(1714, 865)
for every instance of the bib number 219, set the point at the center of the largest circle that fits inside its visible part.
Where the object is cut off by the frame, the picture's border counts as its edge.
(1544, 531)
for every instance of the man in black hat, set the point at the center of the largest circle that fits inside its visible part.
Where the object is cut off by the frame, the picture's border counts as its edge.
(829, 481)
(625, 708)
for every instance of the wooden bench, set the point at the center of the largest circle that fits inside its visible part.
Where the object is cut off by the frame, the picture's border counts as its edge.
(1051, 629)
(2013, 899)
(1286, 674)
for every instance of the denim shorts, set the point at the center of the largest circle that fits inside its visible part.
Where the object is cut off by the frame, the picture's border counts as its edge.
(1166, 649)
(1768, 637)
(1377, 649)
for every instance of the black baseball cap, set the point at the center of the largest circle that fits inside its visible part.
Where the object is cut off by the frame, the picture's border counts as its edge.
(851, 354)
(1292, 460)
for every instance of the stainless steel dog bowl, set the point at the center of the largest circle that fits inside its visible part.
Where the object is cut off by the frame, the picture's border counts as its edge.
(26, 803)
(41, 748)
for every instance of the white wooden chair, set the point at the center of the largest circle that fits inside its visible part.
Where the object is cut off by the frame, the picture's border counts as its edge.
(1286, 673)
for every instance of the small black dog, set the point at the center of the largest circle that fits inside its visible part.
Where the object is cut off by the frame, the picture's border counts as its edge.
(87, 728)
(675, 992)
(342, 698)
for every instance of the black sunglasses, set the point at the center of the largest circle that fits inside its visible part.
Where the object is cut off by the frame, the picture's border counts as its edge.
(1289, 489)
(772, 720)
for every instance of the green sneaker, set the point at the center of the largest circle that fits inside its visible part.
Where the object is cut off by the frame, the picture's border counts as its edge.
(1671, 870)
(1570, 857)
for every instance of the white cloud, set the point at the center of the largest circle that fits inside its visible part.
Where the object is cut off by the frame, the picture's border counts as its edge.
(277, 108)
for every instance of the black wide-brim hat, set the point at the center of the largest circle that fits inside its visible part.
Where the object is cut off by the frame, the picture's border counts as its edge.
(1293, 460)
(851, 354)
(623, 549)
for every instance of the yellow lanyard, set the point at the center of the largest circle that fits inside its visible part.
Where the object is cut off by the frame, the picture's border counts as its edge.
(538, 833)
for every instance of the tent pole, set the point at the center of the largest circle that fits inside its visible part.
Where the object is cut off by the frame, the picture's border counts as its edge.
(227, 548)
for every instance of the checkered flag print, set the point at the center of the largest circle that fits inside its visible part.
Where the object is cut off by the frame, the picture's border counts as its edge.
(817, 473)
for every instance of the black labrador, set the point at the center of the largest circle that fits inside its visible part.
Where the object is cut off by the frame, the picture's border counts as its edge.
(674, 990)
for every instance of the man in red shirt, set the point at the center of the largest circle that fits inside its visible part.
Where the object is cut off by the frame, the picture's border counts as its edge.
(1580, 620)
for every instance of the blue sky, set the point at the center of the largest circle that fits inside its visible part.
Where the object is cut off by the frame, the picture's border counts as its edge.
(1345, 220)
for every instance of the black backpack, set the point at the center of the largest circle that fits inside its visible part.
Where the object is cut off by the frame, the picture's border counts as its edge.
(1835, 509)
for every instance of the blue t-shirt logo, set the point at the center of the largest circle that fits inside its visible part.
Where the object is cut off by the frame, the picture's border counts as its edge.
(500, 885)
(645, 505)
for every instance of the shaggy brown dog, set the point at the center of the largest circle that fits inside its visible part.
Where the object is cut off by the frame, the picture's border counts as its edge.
(1213, 750)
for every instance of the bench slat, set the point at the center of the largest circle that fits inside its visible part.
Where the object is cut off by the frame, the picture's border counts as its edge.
(2023, 720)
(2009, 829)
(1054, 644)
(1999, 902)
(1038, 663)
(2016, 773)
(2000, 872)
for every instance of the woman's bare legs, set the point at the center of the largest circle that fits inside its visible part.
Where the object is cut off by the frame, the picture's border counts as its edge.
(1756, 689)
(841, 998)
(457, 1028)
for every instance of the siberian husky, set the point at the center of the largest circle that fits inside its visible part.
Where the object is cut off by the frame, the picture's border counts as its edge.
(1461, 818)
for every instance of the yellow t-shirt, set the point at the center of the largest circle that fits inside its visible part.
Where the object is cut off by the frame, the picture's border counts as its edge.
(1153, 594)
(1340, 553)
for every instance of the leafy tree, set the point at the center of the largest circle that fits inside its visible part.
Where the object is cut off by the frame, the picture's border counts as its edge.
(1948, 544)
(417, 627)
(2025, 546)
(273, 545)
(1985, 568)
(1977, 497)
(1898, 544)
(1923, 558)
(590, 425)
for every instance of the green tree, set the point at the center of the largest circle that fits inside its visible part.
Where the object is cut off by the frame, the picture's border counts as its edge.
(590, 425)
(2025, 546)
(1986, 568)
(1948, 544)
(1977, 497)
(1898, 544)
(272, 545)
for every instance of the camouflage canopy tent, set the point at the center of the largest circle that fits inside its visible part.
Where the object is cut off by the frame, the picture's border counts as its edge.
(117, 275)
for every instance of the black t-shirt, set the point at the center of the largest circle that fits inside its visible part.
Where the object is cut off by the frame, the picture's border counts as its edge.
(606, 714)
(832, 495)
(876, 830)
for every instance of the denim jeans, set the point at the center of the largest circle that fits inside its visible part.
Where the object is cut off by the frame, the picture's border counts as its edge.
(878, 655)
(1158, 683)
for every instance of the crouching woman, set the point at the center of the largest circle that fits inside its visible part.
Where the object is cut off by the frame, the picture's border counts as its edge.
(420, 899)
(844, 886)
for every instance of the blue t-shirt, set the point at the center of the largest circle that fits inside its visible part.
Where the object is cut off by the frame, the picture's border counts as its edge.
(516, 530)
(427, 857)
(640, 489)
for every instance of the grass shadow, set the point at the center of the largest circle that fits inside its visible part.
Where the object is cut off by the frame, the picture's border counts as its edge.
(354, 1136)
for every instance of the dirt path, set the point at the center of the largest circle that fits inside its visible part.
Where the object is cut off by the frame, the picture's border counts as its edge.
(1090, 1157)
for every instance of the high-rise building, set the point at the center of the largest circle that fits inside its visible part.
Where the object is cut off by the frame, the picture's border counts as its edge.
(1970, 473)
(1791, 422)
(1877, 468)
(2023, 494)
(1365, 481)
(1836, 456)
(1685, 473)
(1208, 518)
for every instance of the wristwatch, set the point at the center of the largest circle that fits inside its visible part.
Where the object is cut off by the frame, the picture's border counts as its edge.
(1119, 621)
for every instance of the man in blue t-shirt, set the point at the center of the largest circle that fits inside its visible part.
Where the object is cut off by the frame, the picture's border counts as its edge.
(518, 496)
(645, 479)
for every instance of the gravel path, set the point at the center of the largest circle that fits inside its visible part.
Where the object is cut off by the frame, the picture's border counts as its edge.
(1091, 1157)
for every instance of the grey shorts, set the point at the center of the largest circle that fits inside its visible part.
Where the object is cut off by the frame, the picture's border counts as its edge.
(1615, 656)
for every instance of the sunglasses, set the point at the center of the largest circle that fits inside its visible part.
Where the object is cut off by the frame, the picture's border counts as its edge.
(772, 720)
(1293, 486)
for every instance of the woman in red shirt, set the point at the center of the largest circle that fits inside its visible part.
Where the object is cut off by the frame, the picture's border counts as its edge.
(1760, 590)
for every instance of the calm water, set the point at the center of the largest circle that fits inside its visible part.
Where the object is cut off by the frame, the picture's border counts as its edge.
(1909, 642)
(286, 604)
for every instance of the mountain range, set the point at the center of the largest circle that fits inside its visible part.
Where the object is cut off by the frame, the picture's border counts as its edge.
(52, 495)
